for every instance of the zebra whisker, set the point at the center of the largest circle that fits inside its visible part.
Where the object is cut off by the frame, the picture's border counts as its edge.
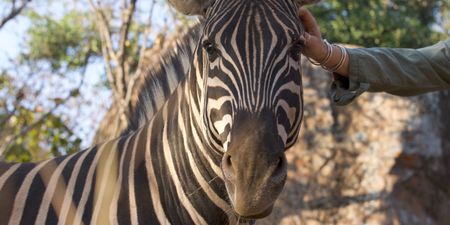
(200, 188)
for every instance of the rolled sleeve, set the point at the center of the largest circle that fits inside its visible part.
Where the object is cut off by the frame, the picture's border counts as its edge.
(345, 89)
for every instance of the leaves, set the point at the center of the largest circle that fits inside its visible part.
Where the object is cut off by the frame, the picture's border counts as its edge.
(67, 42)
(25, 133)
(395, 23)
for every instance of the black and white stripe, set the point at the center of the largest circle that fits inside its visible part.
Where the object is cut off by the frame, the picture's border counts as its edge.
(254, 73)
(167, 166)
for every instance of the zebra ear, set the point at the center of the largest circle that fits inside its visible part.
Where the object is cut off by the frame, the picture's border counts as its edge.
(307, 2)
(191, 7)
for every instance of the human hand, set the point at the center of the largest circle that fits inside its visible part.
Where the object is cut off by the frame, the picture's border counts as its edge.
(314, 48)
(331, 57)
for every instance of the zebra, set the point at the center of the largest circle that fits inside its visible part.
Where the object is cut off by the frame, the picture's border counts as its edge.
(204, 147)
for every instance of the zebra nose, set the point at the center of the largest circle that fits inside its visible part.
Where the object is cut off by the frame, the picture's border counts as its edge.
(276, 169)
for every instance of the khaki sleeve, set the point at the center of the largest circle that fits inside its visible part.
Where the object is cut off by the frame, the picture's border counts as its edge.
(402, 72)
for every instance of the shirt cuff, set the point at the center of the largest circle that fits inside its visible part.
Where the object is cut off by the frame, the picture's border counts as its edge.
(344, 90)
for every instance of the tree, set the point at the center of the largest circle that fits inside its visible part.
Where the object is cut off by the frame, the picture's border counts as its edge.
(61, 47)
(26, 129)
(443, 18)
(394, 23)
(128, 48)
(72, 43)
(119, 57)
(33, 126)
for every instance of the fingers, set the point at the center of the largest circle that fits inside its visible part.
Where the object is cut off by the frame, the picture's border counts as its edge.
(309, 22)
(314, 45)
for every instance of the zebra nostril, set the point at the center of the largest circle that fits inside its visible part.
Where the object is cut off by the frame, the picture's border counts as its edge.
(279, 172)
(280, 163)
(228, 169)
(230, 164)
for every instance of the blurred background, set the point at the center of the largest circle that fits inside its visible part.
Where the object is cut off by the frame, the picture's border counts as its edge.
(70, 71)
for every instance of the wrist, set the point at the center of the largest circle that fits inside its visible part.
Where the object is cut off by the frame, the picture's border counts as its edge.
(316, 48)
(339, 60)
(323, 54)
(335, 59)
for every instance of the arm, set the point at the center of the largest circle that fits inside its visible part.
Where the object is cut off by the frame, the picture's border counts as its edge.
(397, 71)
(402, 71)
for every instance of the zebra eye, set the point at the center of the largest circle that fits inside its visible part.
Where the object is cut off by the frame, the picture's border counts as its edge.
(211, 49)
(297, 45)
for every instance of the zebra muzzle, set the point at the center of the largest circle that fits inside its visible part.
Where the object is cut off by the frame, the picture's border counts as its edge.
(254, 167)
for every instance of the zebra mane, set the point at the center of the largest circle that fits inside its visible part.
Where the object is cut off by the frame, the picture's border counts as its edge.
(161, 80)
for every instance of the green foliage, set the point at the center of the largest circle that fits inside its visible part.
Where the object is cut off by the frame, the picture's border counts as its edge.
(26, 133)
(394, 23)
(66, 42)
(50, 133)
(29, 132)
(444, 17)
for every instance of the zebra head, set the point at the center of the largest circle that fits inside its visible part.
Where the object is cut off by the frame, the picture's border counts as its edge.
(248, 76)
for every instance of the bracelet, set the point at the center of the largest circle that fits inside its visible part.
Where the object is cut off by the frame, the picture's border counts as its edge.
(330, 53)
(327, 56)
(326, 59)
(342, 59)
(344, 56)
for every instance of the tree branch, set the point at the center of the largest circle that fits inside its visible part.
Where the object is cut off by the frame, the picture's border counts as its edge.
(13, 12)
(127, 17)
(107, 48)
(143, 48)
(117, 59)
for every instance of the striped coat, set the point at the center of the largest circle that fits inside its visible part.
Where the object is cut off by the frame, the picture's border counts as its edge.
(206, 143)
